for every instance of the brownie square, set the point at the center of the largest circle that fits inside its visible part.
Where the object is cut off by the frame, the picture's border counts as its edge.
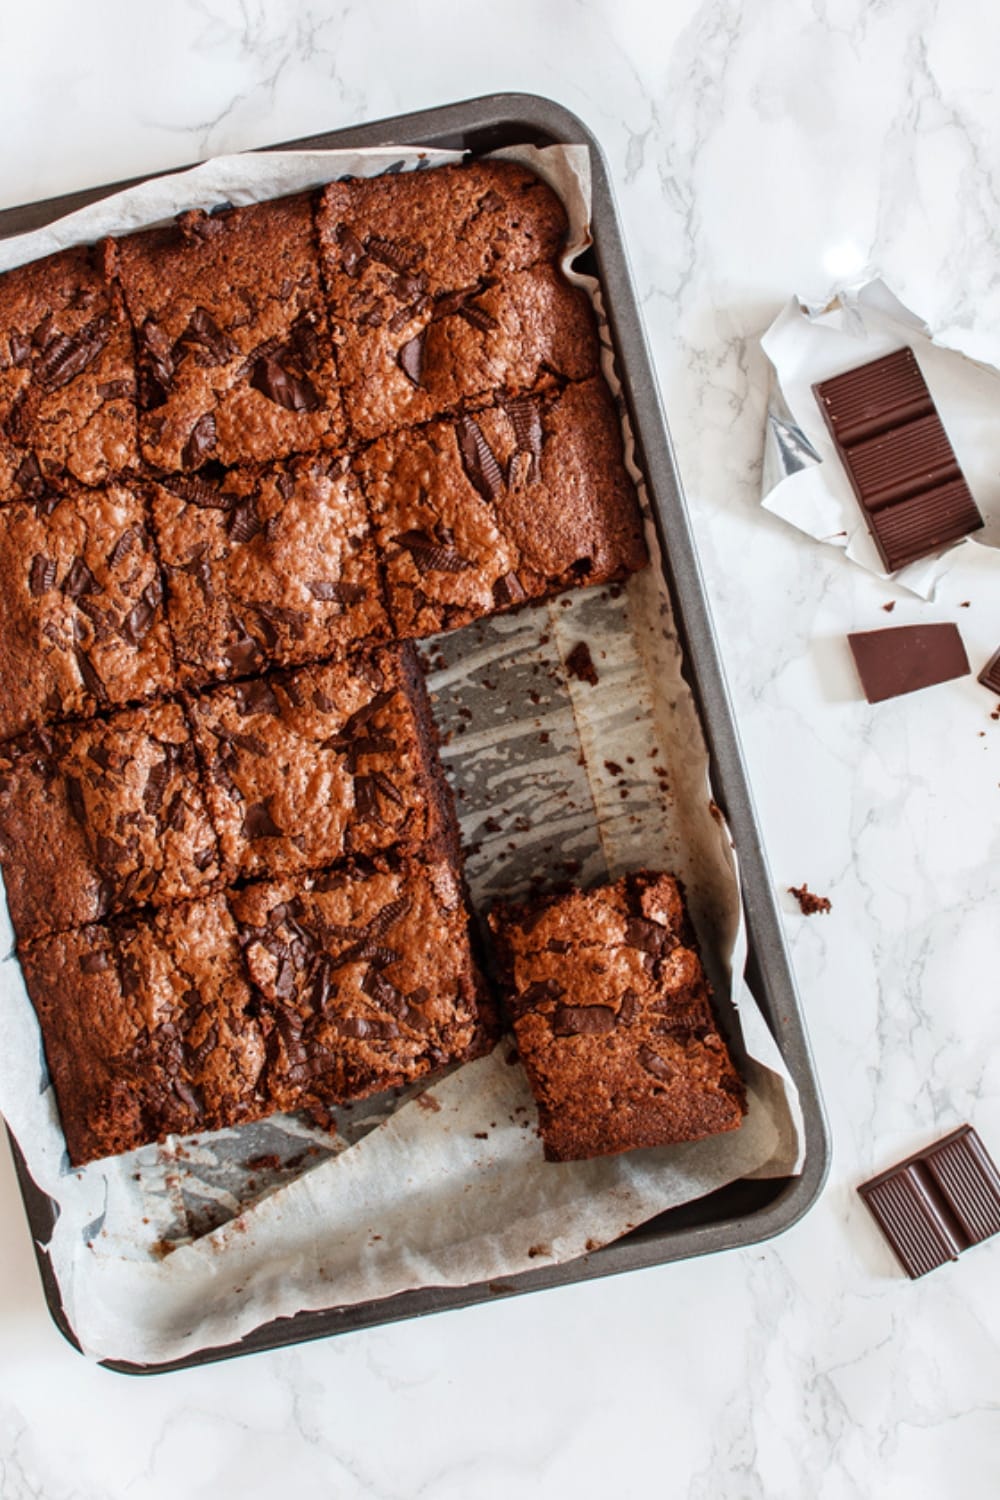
(67, 374)
(523, 331)
(613, 1020)
(267, 566)
(516, 501)
(102, 817)
(81, 619)
(235, 361)
(388, 242)
(365, 976)
(303, 768)
(149, 1029)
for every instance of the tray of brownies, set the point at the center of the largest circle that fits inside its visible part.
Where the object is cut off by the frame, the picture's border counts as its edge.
(390, 928)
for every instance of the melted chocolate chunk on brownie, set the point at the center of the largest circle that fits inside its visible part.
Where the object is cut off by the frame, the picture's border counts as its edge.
(235, 360)
(613, 1019)
(67, 375)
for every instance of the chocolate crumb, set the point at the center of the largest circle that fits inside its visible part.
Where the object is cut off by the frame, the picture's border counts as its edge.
(809, 902)
(580, 664)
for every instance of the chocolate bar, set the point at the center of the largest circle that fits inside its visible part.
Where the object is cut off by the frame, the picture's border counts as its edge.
(903, 658)
(938, 1202)
(901, 465)
(990, 675)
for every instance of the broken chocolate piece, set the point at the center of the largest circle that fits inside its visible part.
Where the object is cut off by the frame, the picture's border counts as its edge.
(580, 664)
(938, 1202)
(411, 358)
(898, 458)
(990, 675)
(905, 658)
(478, 459)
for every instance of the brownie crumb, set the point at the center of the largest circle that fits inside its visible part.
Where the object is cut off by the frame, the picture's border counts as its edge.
(889, 607)
(809, 902)
(580, 664)
(613, 768)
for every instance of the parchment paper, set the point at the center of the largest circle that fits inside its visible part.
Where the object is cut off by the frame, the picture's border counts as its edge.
(177, 1248)
(803, 479)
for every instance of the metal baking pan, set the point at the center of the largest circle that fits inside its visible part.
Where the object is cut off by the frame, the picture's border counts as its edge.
(744, 1212)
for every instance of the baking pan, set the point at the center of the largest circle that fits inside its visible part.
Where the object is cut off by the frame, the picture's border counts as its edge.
(744, 1212)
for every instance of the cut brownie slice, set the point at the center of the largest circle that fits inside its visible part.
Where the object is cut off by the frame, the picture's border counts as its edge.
(366, 977)
(520, 500)
(303, 768)
(267, 566)
(81, 617)
(388, 242)
(522, 332)
(103, 817)
(67, 375)
(149, 1029)
(235, 361)
(613, 1020)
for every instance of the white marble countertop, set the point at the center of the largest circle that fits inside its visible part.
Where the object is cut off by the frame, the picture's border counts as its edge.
(757, 149)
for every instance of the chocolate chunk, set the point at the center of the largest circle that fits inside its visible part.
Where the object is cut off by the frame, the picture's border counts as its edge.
(904, 658)
(194, 490)
(200, 443)
(478, 459)
(258, 823)
(398, 255)
(140, 618)
(42, 574)
(655, 1064)
(156, 370)
(583, 1020)
(478, 317)
(352, 252)
(580, 664)
(938, 1202)
(898, 458)
(244, 522)
(508, 590)
(256, 698)
(411, 358)
(990, 675)
(123, 546)
(431, 556)
(382, 990)
(278, 384)
(156, 783)
(648, 937)
(88, 672)
(67, 356)
(74, 799)
(339, 593)
(79, 580)
(203, 330)
(526, 420)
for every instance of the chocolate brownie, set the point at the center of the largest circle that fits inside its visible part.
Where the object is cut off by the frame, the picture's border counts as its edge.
(613, 1020)
(514, 502)
(149, 1028)
(365, 977)
(303, 768)
(267, 566)
(103, 816)
(81, 619)
(67, 374)
(388, 242)
(517, 334)
(235, 361)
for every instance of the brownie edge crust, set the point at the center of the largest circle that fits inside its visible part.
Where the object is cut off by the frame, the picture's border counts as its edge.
(613, 1020)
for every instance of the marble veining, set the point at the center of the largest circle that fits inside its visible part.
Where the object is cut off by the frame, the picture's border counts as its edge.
(758, 149)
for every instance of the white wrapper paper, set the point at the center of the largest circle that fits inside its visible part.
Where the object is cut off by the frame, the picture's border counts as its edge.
(442, 1186)
(804, 480)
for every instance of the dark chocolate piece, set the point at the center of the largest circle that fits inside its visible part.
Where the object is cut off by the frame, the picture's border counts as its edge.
(903, 658)
(990, 675)
(898, 458)
(938, 1202)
